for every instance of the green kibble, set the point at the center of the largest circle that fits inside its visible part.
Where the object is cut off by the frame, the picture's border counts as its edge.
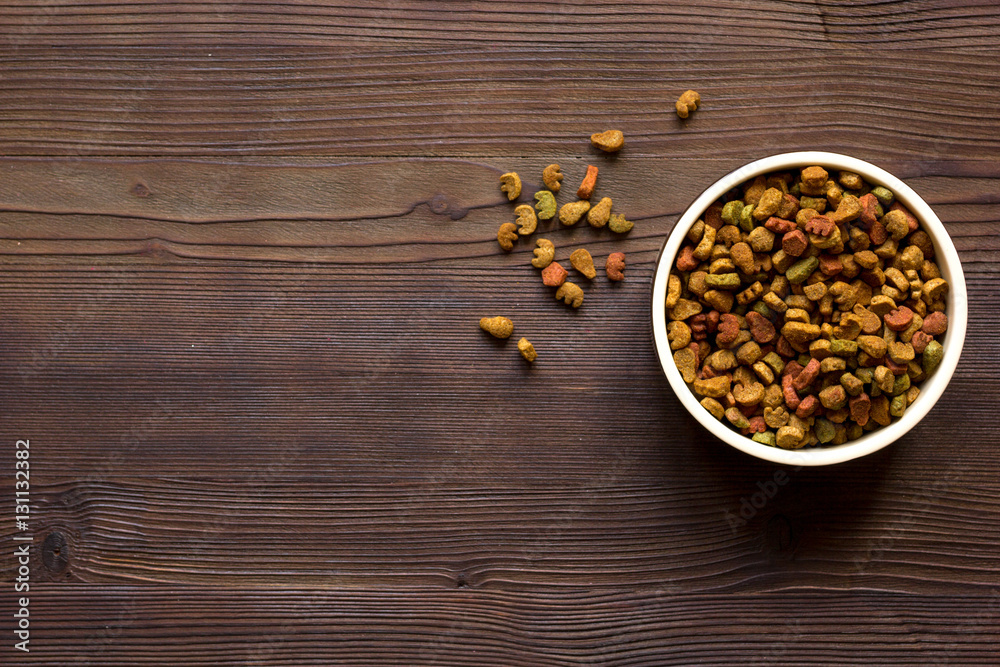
(746, 218)
(866, 374)
(737, 418)
(761, 308)
(932, 356)
(901, 384)
(825, 430)
(802, 269)
(817, 204)
(843, 348)
(879, 211)
(723, 280)
(731, 212)
(883, 195)
(765, 438)
(804, 359)
(898, 406)
(795, 190)
(774, 360)
(851, 384)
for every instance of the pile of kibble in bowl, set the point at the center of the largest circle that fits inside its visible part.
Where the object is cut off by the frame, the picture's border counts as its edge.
(805, 308)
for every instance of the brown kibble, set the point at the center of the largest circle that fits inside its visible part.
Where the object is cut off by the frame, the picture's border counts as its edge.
(729, 329)
(551, 177)
(935, 324)
(500, 327)
(716, 387)
(743, 258)
(687, 102)
(600, 213)
(687, 364)
(880, 410)
(510, 183)
(554, 275)
(814, 181)
(506, 236)
(527, 350)
(794, 243)
(920, 341)
(898, 319)
(583, 262)
(526, 219)
(679, 334)
(684, 309)
(760, 327)
(544, 253)
(589, 181)
(615, 266)
(673, 291)
(571, 213)
(609, 141)
(570, 294)
(768, 205)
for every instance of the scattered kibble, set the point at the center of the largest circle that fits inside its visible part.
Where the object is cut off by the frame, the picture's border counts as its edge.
(544, 253)
(527, 350)
(551, 177)
(506, 236)
(615, 266)
(570, 294)
(545, 205)
(583, 262)
(610, 141)
(805, 308)
(687, 102)
(499, 327)
(510, 183)
(589, 181)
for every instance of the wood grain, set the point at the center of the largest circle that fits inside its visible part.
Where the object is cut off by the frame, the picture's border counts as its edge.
(928, 105)
(139, 625)
(243, 252)
(910, 23)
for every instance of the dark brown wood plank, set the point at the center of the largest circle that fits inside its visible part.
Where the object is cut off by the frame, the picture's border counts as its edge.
(910, 23)
(496, 101)
(128, 625)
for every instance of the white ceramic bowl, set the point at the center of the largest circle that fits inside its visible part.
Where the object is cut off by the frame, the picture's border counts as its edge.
(930, 389)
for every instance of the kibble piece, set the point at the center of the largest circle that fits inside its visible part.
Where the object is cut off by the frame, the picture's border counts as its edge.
(614, 267)
(814, 181)
(551, 177)
(589, 181)
(527, 350)
(570, 294)
(545, 205)
(506, 236)
(554, 275)
(932, 356)
(714, 407)
(583, 262)
(673, 291)
(679, 334)
(544, 253)
(510, 183)
(499, 327)
(526, 219)
(600, 213)
(687, 102)
(571, 213)
(609, 141)
(716, 387)
(618, 224)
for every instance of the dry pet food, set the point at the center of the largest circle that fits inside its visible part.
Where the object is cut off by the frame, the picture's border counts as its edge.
(510, 183)
(571, 213)
(527, 350)
(545, 204)
(526, 219)
(589, 181)
(687, 102)
(615, 266)
(500, 327)
(554, 275)
(506, 236)
(570, 294)
(544, 253)
(583, 262)
(551, 177)
(600, 213)
(610, 141)
(805, 308)
(618, 224)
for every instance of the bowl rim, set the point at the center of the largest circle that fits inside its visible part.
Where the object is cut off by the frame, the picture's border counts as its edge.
(931, 389)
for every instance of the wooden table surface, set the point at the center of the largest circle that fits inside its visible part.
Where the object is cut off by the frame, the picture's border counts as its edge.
(244, 248)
